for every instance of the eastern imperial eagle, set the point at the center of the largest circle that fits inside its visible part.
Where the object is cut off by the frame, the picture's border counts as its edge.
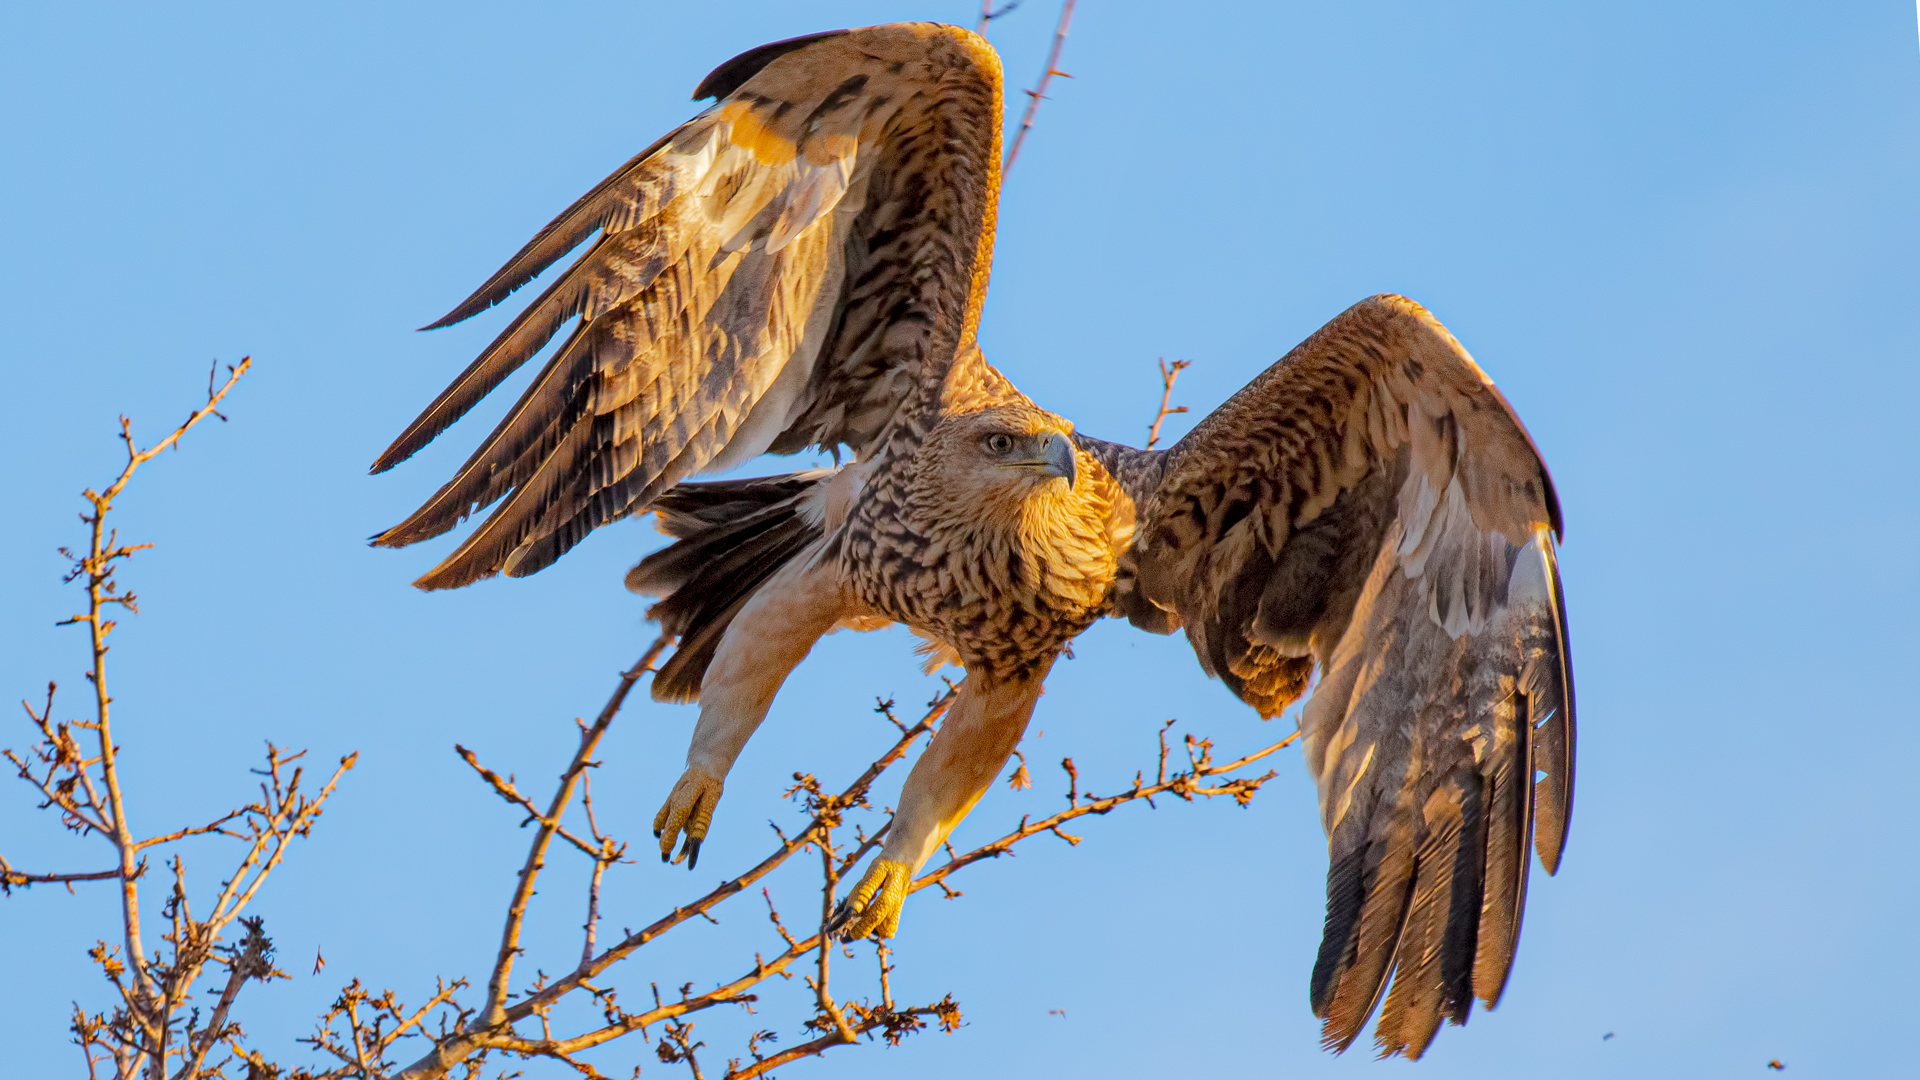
(802, 265)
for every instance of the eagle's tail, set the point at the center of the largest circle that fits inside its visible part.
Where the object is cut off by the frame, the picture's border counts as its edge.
(732, 536)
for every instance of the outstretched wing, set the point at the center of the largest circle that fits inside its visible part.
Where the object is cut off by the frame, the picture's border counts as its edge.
(1370, 504)
(795, 266)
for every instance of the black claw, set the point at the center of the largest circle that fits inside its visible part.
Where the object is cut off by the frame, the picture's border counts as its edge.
(693, 852)
(656, 834)
(664, 857)
(842, 915)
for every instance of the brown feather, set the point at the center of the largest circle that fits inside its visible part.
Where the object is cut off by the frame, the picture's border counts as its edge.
(731, 564)
(1372, 505)
(833, 212)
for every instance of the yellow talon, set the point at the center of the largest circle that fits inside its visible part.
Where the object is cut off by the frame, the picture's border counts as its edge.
(872, 909)
(690, 806)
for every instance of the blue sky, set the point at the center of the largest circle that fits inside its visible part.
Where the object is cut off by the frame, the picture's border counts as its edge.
(1681, 237)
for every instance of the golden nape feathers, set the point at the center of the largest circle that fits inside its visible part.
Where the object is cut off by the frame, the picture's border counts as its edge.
(802, 264)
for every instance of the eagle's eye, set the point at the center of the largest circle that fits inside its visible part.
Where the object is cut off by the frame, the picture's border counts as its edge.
(999, 442)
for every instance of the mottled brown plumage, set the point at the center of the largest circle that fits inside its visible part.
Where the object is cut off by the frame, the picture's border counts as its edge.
(1001, 570)
(803, 265)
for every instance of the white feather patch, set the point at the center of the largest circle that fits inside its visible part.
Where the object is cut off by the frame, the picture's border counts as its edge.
(1529, 584)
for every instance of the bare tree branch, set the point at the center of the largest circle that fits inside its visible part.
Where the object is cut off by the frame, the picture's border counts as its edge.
(495, 1012)
(10, 876)
(988, 13)
(837, 1022)
(153, 1033)
(1168, 373)
(104, 550)
(1039, 91)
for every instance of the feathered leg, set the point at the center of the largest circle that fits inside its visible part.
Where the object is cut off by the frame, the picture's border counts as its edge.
(771, 635)
(973, 744)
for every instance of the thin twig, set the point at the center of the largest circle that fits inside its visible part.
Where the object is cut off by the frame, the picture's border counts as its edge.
(495, 1011)
(504, 787)
(608, 853)
(1039, 91)
(475, 1036)
(1180, 784)
(988, 13)
(822, 995)
(251, 959)
(852, 1020)
(15, 877)
(1168, 373)
(102, 552)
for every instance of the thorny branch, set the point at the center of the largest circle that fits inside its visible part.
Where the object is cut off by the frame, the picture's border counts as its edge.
(468, 1038)
(988, 13)
(1168, 373)
(1039, 91)
(153, 1032)
(495, 1012)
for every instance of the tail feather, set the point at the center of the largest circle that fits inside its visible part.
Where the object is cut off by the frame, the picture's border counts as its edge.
(688, 508)
(732, 537)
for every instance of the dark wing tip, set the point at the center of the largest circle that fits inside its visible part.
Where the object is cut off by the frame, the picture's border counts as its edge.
(397, 536)
(453, 574)
(1558, 522)
(408, 444)
(483, 298)
(729, 76)
(391, 456)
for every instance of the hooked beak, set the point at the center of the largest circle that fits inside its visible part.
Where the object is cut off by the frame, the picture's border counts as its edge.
(1059, 458)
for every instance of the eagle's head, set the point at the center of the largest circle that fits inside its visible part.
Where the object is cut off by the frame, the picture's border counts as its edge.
(988, 465)
(1011, 475)
(1002, 504)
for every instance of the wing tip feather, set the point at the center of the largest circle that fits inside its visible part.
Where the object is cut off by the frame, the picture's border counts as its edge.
(400, 450)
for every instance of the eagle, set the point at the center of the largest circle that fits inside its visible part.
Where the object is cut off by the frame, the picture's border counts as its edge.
(802, 266)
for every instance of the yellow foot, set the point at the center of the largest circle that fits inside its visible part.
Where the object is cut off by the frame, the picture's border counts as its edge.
(872, 909)
(689, 807)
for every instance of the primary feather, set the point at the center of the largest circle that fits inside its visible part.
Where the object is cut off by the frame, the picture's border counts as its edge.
(795, 265)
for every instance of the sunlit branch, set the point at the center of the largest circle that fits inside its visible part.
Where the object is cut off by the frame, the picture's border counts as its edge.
(1039, 91)
(1168, 373)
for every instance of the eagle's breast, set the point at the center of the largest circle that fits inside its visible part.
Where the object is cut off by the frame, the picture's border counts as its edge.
(1005, 590)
